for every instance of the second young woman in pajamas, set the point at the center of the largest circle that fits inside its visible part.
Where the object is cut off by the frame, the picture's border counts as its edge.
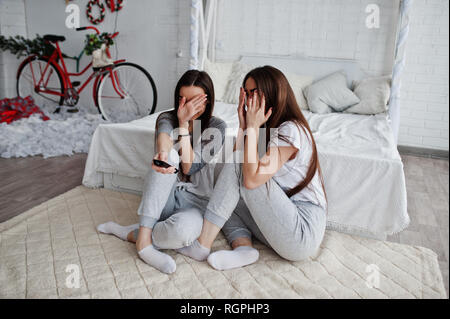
(278, 198)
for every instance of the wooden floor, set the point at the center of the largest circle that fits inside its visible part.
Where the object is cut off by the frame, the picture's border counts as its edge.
(27, 182)
(427, 182)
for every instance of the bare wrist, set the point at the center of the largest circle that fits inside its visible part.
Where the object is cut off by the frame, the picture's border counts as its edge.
(164, 151)
(182, 125)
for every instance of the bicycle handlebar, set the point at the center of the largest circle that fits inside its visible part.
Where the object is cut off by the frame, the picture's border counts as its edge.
(86, 28)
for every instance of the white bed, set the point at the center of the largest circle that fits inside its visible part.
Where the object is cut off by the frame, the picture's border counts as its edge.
(362, 168)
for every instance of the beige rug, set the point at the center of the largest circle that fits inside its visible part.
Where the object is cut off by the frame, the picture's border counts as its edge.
(37, 247)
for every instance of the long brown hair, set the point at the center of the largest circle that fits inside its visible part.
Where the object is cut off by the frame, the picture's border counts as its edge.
(279, 95)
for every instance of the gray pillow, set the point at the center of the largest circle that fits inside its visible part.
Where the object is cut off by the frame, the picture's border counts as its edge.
(330, 94)
(374, 95)
(238, 72)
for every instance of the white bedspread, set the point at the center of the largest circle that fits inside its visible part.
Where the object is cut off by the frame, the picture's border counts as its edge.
(362, 169)
(363, 173)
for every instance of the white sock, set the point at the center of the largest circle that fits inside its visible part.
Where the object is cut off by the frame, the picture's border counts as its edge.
(195, 251)
(157, 259)
(228, 259)
(117, 230)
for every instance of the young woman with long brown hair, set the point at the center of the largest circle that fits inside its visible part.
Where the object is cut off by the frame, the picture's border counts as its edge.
(170, 213)
(278, 198)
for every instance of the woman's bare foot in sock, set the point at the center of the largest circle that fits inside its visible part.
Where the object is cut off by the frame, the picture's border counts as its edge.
(117, 230)
(195, 251)
(144, 238)
(151, 255)
(201, 247)
(243, 254)
(236, 258)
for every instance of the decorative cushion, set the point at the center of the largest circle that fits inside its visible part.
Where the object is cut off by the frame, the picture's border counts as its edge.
(219, 73)
(298, 84)
(236, 77)
(373, 94)
(330, 94)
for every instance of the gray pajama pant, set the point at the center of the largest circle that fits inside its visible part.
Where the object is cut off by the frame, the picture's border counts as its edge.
(293, 229)
(174, 214)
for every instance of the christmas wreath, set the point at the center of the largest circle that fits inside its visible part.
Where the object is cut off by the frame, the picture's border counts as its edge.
(115, 6)
(95, 41)
(101, 7)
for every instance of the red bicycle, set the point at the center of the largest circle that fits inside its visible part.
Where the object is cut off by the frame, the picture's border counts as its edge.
(122, 91)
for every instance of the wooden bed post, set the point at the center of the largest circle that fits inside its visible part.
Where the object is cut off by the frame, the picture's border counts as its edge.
(399, 63)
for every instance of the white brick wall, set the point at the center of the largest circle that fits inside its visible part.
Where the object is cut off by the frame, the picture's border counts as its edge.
(336, 28)
(319, 28)
(12, 22)
(425, 103)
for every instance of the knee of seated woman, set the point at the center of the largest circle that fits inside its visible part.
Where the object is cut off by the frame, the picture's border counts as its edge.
(175, 236)
(187, 226)
(186, 236)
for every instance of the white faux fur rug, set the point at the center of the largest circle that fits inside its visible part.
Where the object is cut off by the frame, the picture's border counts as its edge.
(39, 246)
(64, 134)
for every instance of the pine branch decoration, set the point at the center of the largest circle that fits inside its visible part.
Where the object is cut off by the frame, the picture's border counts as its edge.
(19, 46)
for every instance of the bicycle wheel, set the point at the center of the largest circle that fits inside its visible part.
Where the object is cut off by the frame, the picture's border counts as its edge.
(25, 84)
(139, 91)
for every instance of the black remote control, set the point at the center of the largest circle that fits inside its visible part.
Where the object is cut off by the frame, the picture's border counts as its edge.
(163, 164)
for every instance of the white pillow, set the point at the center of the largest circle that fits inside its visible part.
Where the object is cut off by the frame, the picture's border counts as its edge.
(219, 73)
(330, 94)
(238, 72)
(298, 83)
(374, 95)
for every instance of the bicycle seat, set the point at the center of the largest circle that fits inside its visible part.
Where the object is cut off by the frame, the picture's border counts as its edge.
(54, 38)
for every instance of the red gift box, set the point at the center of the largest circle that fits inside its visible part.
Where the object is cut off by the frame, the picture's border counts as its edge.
(19, 108)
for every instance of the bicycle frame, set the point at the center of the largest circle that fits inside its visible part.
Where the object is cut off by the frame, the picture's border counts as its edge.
(41, 83)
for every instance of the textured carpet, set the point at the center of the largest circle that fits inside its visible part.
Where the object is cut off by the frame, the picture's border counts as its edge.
(45, 250)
